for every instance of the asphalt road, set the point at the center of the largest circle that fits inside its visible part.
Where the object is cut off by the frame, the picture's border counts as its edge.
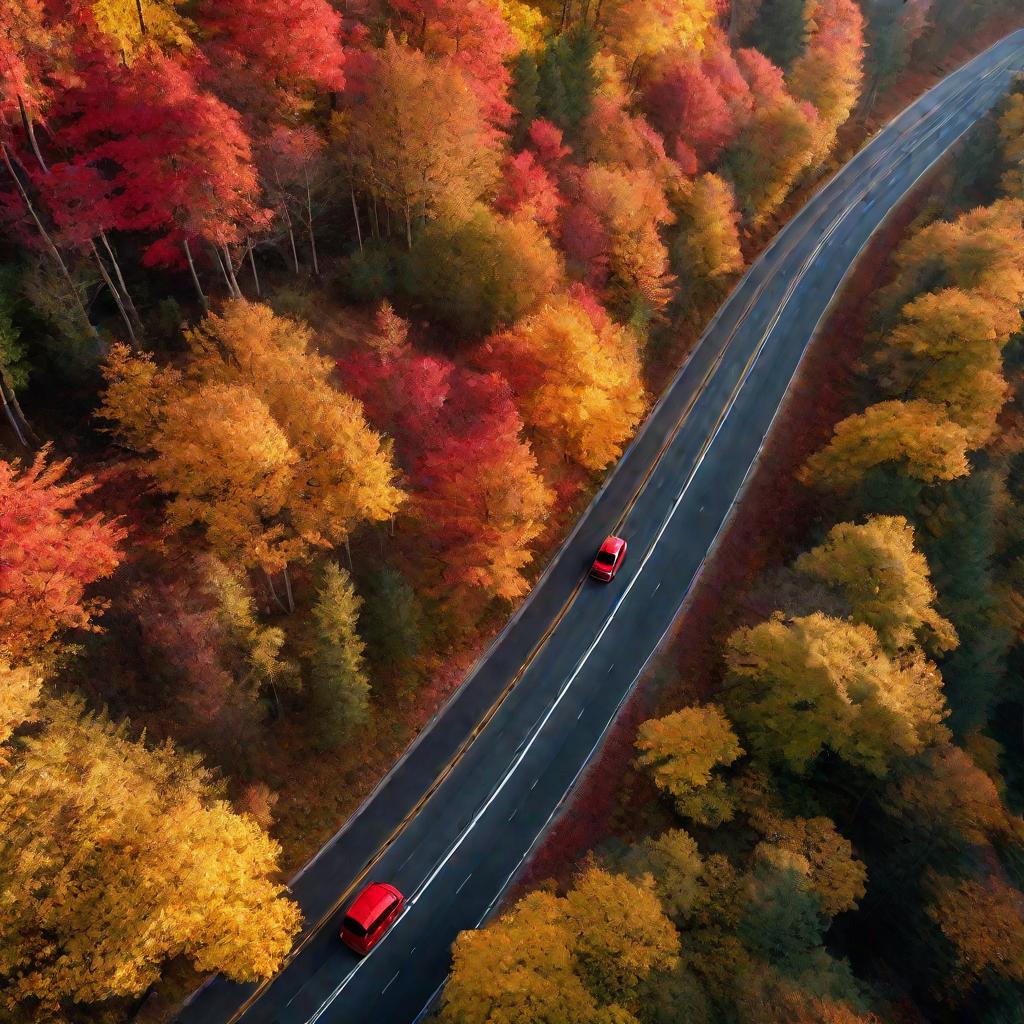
(461, 811)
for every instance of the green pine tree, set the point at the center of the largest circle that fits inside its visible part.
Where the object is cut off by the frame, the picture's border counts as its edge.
(340, 691)
(524, 95)
(780, 31)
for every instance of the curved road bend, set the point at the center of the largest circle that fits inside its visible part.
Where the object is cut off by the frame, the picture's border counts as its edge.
(452, 835)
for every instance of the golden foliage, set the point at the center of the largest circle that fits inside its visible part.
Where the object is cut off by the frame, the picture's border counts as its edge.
(637, 30)
(917, 435)
(984, 920)
(1011, 130)
(832, 871)
(419, 142)
(133, 23)
(116, 857)
(574, 958)
(707, 249)
(578, 384)
(681, 752)
(251, 440)
(20, 689)
(800, 686)
(885, 579)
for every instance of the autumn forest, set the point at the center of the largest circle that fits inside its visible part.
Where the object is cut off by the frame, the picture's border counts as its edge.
(321, 323)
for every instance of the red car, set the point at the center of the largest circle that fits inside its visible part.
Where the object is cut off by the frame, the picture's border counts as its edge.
(373, 912)
(609, 559)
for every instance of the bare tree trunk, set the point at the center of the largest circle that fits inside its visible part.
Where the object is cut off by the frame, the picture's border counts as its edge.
(348, 554)
(50, 247)
(309, 224)
(142, 20)
(112, 288)
(11, 418)
(219, 256)
(252, 264)
(30, 132)
(295, 251)
(273, 590)
(12, 399)
(195, 277)
(376, 221)
(408, 228)
(224, 262)
(355, 213)
(125, 294)
(230, 265)
(288, 590)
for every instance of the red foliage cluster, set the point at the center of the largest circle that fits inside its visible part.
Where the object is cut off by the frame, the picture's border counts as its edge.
(179, 160)
(49, 553)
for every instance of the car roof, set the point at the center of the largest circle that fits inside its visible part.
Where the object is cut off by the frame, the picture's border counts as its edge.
(612, 544)
(368, 906)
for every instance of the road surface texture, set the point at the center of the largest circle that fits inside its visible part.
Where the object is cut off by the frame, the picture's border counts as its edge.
(458, 815)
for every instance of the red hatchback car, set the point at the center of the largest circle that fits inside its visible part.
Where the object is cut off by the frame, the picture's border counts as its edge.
(373, 912)
(609, 559)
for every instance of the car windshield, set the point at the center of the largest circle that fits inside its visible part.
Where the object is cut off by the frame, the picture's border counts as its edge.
(605, 558)
(352, 925)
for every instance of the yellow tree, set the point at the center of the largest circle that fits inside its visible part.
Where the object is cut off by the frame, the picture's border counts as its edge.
(1011, 130)
(19, 693)
(132, 23)
(802, 686)
(951, 324)
(577, 958)
(345, 469)
(918, 436)
(830, 70)
(297, 465)
(621, 933)
(706, 252)
(981, 251)
(230, 469)
(946, 349)
(639, 30)
(577, 382)
(681, 751)
(984, 922)
(256, 649)
(777, 145)
(832, 871)
(519, 970)
(674, 863)
(528, 23)
(885, 579)
(116, 857)
(419, 142)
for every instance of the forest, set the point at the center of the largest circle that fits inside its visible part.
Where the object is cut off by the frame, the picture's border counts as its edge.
(836, 836)
(319, 325)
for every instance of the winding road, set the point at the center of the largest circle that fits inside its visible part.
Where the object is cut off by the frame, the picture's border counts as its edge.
(461, 811)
